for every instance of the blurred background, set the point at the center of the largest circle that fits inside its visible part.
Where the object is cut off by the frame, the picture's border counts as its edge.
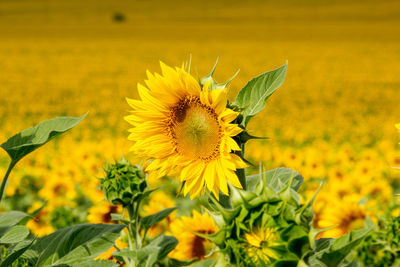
(332, 120)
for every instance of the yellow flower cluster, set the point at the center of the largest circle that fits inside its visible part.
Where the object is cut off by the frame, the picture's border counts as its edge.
(332, 119)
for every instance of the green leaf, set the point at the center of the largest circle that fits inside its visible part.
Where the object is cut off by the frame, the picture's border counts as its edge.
(15, 255)
(95, 263)
(151, 220)
(177, 263)
(205, 263)
(15, 234)
(73, 244)
(30, 139)
(337, 250)
(9, 219)
(165, 243)
(155, 251)
(253, 95)
(137, 255)
(277, 179)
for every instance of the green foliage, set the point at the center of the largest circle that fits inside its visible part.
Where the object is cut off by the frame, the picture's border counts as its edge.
(271, 209)
(277, 179)
(151, 220)
(11, 234)
(73, 244)
(382, 247)
(9, 219)
(14, 256)
(155, 251)
(95, 263)
(205, 263)
(62, 217)
(251, 98)
(123, 183)
(333, 252)
(30, 139)
(15, 234)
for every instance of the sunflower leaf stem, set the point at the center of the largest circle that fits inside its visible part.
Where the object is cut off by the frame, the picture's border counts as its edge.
(4, 182)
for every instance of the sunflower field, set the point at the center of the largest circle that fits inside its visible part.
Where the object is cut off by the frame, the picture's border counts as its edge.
(199, 133)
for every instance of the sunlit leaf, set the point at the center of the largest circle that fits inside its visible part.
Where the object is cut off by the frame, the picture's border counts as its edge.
(73, 244)
(253, 95)
(15, 234)
(30, 139)
(151, 220)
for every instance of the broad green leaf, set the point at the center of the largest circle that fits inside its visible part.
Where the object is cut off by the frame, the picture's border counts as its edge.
(95, 263)
(155, 251)
(253, 95)
(137, 255)
(205, 263)
(338, 249)
(15, 234)
(151, 220)
(73, 244)
(9, 219)
(277, 179)
(177, 263)
(165, 243)
(30, 139)
(15, 255)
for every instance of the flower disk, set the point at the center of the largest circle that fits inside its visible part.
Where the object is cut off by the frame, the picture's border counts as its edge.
(185, 131)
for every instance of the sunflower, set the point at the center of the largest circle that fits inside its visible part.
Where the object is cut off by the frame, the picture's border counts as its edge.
(190, 245)
(39, 224)
(186, 131)
(344, 215)
(259, 243)
(101, 212)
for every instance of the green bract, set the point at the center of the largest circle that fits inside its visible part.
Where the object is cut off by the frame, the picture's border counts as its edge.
(123, 183)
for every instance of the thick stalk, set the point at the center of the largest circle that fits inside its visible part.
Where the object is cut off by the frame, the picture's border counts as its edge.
(4, 182)
(131, 237)
(138, 238)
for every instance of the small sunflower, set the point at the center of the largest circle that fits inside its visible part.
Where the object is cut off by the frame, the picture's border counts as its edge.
(101, 212)
(190, 245)
(259, 243)
(344, 215)
(40, 224)
(186, 131)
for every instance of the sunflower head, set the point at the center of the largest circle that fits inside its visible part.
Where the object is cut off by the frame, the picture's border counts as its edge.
(185, 129)
(260, 243)
(191, 245)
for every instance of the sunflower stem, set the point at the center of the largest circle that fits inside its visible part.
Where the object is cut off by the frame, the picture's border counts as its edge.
(138, 239)
(131, 233)
(4, 182)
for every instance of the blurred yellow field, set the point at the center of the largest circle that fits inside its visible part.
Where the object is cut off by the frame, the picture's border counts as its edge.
(332, 119)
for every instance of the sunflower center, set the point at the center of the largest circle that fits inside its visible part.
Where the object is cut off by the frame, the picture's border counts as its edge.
(194, 129)
(201, 246)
